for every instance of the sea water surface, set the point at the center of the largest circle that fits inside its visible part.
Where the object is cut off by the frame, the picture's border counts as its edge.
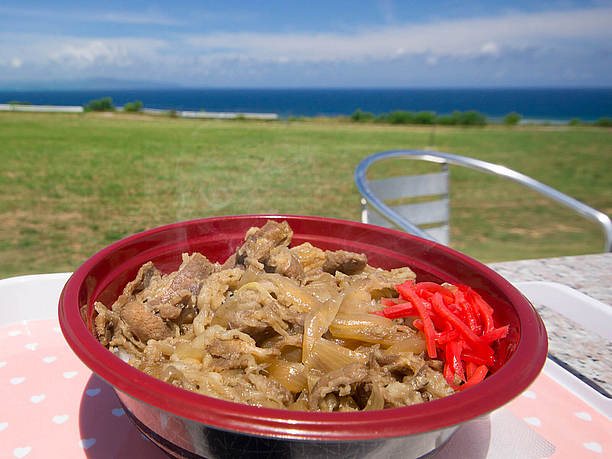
(533, 103)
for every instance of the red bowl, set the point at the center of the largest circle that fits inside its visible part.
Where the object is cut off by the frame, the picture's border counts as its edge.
(189, 424)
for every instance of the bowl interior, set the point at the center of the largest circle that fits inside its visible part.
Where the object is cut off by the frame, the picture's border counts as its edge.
(102, 278)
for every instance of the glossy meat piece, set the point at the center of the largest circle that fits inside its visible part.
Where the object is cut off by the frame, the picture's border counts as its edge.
(345, 262)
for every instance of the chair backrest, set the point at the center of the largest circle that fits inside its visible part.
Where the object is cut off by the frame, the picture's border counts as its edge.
(423, 199)
(386, 197)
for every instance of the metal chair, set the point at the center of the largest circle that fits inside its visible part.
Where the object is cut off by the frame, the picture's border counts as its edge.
(429, 216)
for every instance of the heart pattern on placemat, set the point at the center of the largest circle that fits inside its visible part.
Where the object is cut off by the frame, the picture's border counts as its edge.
(533, 421)
(584, 416)
(22, 451)
(87, 443)
(37, 398)
(593, 446)
(60, 419)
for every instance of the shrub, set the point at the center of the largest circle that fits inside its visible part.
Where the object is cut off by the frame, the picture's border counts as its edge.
(449, 120)
(472, 118)
(424, 118)
(604, 122)
(100, 105)
(132, 107)
(360, 116)
(400, 117)
(574, 122)
(512, 118)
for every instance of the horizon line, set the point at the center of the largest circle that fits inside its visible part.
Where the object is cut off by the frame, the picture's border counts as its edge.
(282, 88)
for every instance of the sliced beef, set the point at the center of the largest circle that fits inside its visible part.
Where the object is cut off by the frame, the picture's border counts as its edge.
(405, 364)
(212, 295)
(151, 299)
(229, 263)
(107, 322)
(282, 261)
(233, 348)
(397, 394)
(311, 258)
(261, 320)
(147, 274)
(180, 289)
(232, 352)
(416, 375)
(346, 262)
(271, 389)
(280, 342)
(337, 381)
(143, 323)
(260, 241)
(254, 311)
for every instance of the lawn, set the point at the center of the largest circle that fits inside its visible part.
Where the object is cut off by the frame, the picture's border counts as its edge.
(71, 184)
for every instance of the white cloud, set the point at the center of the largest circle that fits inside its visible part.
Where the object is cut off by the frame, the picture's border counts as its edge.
(490, 48)
(451, 38)
(119, 52)
(135, 18)
(78, 53)
(119, 17)
(16, 62)
(88, 53)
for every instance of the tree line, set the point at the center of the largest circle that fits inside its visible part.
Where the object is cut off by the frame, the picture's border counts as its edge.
(456, 118)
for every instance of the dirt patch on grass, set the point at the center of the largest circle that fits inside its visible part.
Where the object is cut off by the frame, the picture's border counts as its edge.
(125, 116)
(544, 230)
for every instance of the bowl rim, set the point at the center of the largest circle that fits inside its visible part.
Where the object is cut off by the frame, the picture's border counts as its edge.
(495, 391)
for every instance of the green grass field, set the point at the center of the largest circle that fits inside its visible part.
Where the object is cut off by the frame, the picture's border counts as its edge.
(71, 184)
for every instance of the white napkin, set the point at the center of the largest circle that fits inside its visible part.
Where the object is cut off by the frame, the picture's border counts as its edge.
(501, 435)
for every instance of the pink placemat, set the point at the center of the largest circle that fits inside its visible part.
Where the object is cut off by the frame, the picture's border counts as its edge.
(53, 405)
(574, 427)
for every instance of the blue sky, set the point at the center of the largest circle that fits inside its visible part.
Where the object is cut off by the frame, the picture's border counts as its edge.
(310, 44)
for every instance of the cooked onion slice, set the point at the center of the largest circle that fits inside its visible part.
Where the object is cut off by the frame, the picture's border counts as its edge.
(292, 375)
(368, 328)
(327, 356)
(317, 323)
(409, 343)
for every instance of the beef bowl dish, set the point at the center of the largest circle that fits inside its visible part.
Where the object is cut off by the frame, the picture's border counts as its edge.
(288, 336)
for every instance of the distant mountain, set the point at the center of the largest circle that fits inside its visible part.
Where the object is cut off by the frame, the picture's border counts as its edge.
(83, 84)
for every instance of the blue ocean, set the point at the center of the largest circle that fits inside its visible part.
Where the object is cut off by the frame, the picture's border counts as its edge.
(533, 104)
